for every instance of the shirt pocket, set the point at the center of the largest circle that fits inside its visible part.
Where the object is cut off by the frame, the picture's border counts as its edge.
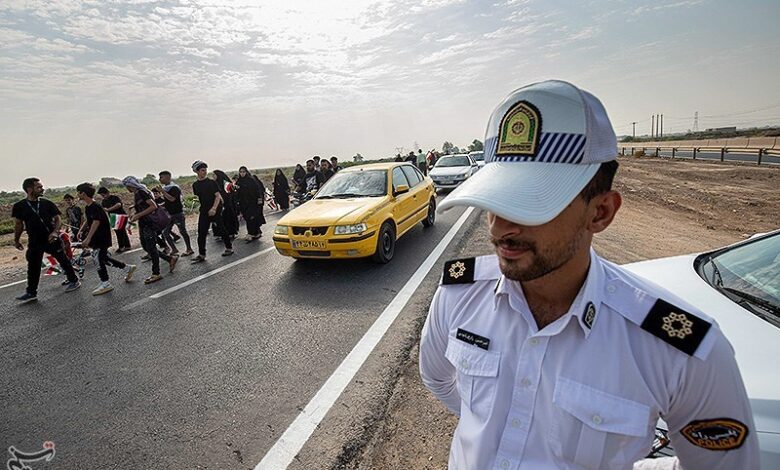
(477, 376)
(595, 429)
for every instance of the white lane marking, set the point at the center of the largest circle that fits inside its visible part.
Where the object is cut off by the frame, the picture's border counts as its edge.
(13, 283)
(290, 443)
(197, 279)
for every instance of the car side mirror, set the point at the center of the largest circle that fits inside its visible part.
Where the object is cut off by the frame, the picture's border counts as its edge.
(400, 189)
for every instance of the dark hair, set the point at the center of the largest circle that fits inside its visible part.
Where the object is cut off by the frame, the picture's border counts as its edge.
(165, 173)
(334, 158)
(29, 183)
(103, 190)
(87, 189)
(601, 181)
(308, 161)
(68, 196)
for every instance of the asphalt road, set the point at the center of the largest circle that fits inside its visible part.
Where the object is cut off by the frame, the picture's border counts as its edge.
(207, 376)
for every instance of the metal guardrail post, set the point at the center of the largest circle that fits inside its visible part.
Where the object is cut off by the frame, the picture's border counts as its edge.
(657, 151)
(632, 151)
(694, 153)
(722, 153)
(760, 152)
(674, 150)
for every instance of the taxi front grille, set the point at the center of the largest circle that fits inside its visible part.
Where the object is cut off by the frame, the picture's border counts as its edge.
(319, 231)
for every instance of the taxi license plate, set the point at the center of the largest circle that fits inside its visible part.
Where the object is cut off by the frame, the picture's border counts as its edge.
(307, 245)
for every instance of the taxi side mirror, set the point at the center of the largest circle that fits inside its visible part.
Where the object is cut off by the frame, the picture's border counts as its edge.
(400, 189)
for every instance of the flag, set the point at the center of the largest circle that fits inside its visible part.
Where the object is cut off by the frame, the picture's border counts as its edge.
(117, 221)
(228, 186)
(51, 265)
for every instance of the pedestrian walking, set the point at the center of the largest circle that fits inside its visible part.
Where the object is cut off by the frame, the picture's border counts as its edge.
(334, 164)
(552, 356)
(326, 170)
(282, 190)
(41, 219)
(98, 239)
(211, 203)
(250, 199)
(174, 204)
(422, 163)
(74, 216)
(144, 207)
(113, 205)
(299, 178)
(230, 206)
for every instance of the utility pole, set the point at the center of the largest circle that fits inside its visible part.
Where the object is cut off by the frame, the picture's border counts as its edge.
(662, 126)
(696, 121)
(633, 130)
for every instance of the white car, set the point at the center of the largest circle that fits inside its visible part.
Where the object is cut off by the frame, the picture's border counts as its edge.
(738, 286)
(479, 157)
(452, 170)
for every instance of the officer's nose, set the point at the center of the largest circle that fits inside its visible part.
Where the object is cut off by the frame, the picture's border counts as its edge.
(500, 227)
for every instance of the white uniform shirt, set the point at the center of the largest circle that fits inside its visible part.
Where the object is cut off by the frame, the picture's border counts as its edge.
(587, 390)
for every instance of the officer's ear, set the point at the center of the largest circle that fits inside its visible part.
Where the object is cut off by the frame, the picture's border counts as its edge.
(602, 209)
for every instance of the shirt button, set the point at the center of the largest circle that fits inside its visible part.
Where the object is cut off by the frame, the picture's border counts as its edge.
(465, 364)
(505, 464)
(515, 423)
(611, 289)
(534, 341)
(526, 382)
(596, 419)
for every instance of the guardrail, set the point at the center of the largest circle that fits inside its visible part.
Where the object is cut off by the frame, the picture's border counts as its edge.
(763, 148)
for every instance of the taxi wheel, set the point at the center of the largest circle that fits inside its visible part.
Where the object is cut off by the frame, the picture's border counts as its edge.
(385, 244)
(429, 221)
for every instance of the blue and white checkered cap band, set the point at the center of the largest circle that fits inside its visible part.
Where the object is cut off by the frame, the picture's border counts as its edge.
(554, 147)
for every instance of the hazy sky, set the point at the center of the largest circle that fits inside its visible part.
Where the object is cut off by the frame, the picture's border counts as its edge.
(109, 88)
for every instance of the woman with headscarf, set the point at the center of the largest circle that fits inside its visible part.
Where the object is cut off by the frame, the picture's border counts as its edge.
(281, 190)
(229, 214)
(249, 193)
(144, 206)
(299, 177)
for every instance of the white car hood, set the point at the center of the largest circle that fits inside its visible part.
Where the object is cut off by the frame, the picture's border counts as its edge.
(756, 343)
(449, 171)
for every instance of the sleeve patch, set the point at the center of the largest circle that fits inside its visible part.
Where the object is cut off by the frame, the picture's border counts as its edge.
(460, 271)
(677, 327)
(716, 434)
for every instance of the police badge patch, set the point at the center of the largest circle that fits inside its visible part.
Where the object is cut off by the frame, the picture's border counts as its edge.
(590, 315)
(518, 133)
(459, 271)
(716, 434)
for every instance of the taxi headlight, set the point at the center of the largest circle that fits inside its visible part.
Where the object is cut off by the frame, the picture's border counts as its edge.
(281, 230)
(348, 229)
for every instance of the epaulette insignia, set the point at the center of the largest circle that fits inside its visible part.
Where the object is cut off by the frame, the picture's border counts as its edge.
(677, 327)
(459, 271)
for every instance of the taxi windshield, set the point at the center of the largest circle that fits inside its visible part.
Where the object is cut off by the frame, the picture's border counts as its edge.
(364, 183)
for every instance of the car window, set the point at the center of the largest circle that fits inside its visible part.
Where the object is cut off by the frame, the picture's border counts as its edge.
(749, 275)
(399, 178)
(454, 161)
(412, 175)
(368, 183)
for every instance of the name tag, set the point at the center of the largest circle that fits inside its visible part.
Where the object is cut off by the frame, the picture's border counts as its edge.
(471, 338)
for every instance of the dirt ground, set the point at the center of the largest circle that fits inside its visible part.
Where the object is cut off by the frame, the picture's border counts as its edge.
(669, 208)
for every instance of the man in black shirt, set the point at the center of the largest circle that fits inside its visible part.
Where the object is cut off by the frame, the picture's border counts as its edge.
(171, 193)
(41, 219)
(210, 199)
(113, 205)
(73, 212)
(98, 237)
(313, 180)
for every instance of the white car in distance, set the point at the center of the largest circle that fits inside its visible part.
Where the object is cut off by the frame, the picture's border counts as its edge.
(479, 157)
(452, 170)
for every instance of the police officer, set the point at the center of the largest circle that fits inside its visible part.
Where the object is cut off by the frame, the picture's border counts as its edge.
(552, 356)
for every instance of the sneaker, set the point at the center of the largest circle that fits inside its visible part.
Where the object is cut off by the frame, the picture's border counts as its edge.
(152, 278)
(146, 257)
(65, 282)
(227, 253)
(198, 259)
(27, 298)
(73, 286)
(175, 237)
(172, 262)
(102, 288)
(188, 253)
(129, 271)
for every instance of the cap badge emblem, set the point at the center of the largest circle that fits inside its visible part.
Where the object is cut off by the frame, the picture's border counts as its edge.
(519, 131)
(677, 325)
(457, 270)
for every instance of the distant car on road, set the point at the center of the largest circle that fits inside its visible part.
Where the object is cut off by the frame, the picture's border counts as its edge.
(739, 287)
(452, 170)
(479, 157)
(360, 212)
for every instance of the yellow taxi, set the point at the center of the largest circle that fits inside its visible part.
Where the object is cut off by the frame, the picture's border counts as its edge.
(360, 212)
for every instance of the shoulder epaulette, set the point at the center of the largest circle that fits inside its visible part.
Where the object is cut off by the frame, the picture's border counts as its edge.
(683, 330)
(470, 270)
